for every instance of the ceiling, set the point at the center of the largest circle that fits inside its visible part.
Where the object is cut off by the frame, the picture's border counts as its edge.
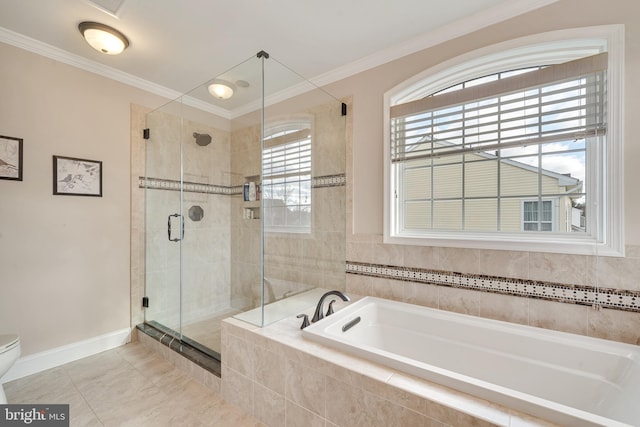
(179, 45)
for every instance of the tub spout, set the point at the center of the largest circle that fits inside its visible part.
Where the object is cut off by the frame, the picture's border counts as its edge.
(319, 309)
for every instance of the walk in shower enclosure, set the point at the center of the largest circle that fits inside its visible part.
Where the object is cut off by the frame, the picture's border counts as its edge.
(241, 217)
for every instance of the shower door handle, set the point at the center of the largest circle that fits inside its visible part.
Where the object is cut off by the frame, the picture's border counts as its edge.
(177, 239)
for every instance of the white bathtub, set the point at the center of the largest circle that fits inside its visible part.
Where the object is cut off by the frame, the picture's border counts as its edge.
(564, 378)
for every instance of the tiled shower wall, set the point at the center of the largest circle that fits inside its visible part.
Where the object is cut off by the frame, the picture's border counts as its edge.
(246, 269)
(228, 274)
(292, 263)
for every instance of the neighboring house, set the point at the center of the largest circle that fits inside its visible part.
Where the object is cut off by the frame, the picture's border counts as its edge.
(510, 204)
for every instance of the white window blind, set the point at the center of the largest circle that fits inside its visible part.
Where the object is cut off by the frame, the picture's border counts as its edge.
(467, 157)
(286, 181)
(555, 103)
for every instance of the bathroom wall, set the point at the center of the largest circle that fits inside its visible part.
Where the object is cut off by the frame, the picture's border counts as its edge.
(365, 183)
(64, 260)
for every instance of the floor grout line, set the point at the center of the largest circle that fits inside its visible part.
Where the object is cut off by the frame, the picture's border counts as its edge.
(102, 378)
(64, 369)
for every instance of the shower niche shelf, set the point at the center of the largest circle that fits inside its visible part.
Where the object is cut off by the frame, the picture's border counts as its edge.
(251, 195)
(251, 212)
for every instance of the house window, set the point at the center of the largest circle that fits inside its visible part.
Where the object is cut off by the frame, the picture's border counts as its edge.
(286, 178)
(537, 215)
(518, 158)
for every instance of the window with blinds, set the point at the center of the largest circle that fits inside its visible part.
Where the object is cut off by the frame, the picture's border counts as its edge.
(286, 179)
(491, 154)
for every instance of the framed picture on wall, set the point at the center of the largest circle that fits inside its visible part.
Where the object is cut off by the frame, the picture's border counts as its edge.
(77, 177)
(10, 158)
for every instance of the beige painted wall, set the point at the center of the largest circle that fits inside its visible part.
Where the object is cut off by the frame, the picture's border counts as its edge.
(64, 260)
(368, 88)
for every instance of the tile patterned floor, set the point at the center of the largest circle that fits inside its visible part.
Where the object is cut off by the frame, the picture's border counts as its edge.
(128, 386)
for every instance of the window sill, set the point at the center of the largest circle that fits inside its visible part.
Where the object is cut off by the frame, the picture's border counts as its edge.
(551, 243)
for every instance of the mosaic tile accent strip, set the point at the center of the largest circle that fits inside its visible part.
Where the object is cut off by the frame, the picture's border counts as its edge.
(190, 187)
(329, 181)
(195, 187)
(237, 190)
(573, 294)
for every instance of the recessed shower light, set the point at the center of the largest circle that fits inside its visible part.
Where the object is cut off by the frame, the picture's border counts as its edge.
(221, 89)
(103, 38)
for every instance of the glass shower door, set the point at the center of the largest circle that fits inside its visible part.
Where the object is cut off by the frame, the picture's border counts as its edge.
(211, 251)
(206, 246)
(187, 227)
(163, 219)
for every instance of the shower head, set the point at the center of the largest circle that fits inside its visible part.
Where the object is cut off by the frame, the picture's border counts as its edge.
(202, 139)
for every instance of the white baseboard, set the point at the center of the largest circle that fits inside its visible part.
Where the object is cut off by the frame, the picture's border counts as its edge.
(48, 359)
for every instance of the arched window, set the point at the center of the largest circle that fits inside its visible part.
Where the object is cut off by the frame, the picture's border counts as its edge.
(286, 177)
(510, 150)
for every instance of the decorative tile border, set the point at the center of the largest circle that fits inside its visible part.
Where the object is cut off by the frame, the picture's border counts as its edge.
(196, 187)
(583, 295)
(190, 187)
(237, 190)
(329, 181)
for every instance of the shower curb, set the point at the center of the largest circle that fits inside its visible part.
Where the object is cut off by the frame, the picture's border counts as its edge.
(188, 349)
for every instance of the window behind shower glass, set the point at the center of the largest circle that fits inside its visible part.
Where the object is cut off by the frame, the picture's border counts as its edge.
(286, 180)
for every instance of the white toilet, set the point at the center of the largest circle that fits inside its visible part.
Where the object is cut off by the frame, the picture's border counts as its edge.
(9, 353)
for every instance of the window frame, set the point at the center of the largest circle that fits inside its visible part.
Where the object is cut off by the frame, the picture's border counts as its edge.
(548, 48)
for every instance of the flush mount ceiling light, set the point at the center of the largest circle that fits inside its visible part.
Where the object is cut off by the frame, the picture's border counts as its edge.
(221, 89)
(103, 38)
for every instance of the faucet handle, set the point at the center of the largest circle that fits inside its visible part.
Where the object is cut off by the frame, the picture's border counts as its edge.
(305, 321)
(330, 309)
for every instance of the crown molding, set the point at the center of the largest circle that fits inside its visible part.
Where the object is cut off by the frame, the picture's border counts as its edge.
(458, 28)
(57, 54)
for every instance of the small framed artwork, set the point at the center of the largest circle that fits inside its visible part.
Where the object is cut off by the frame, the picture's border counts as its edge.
(10, 158)
(77, 177)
